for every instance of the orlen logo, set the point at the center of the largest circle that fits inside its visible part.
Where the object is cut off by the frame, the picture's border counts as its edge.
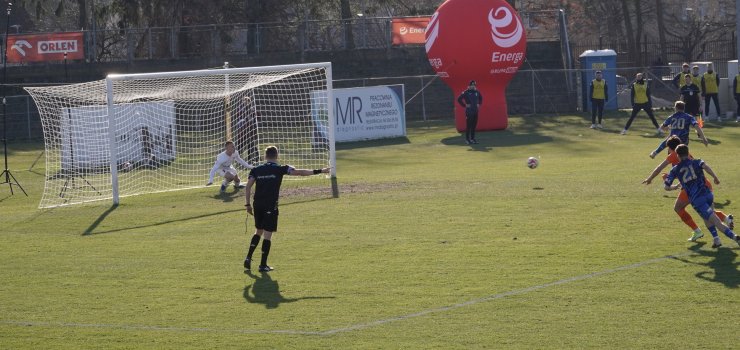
(433, 31)
(57, 46)
(498, 22)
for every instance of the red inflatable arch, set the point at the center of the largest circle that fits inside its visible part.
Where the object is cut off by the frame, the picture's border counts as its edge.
(481, 40)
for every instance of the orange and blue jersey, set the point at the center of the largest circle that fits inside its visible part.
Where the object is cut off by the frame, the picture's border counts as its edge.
(674, 160)
(690, 174)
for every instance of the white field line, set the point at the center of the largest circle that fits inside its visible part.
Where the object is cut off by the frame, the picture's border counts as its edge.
(355, 327)
(499, 296)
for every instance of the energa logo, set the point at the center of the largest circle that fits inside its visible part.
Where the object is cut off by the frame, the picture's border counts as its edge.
(501, 19)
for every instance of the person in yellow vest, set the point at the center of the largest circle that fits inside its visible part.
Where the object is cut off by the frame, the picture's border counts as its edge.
(736, 93)
(678, 79)
(599, 93)
(695, 76)
(710, 89)
(640, 98)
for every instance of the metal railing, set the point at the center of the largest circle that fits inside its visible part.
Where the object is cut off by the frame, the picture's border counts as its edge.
(721, 49)
(540, 91)
(427, 97)
(23, 120)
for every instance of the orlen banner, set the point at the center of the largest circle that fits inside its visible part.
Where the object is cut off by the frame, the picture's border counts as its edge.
(45, 47)
(368, 113)
(481, 40)
(409, 30)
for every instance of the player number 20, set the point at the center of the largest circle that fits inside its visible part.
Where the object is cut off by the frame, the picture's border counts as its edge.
(678, 124)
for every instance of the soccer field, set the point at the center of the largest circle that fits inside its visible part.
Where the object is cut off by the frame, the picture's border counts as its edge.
(432, 244)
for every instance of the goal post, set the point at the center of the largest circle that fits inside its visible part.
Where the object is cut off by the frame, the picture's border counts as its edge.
(134, 134)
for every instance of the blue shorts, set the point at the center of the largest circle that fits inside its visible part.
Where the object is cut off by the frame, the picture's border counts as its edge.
(684, 138)
(703, 205)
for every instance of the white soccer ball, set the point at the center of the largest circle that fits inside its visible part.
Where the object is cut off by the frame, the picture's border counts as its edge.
(532, 162)
(126, 166)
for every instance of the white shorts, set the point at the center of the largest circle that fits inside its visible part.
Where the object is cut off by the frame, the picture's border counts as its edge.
(223, 171)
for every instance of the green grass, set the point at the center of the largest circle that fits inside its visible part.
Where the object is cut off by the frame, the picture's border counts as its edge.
(570, 255)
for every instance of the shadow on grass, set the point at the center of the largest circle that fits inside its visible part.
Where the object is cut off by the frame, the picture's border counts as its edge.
(100, 219)
(697, 144)
(24, 146)
(227, 197)
(725, 124)
(35, 162)
(723, 204)
(266, 291)
(90, 230)
(498, 139)
(373, 143)
(723, 263)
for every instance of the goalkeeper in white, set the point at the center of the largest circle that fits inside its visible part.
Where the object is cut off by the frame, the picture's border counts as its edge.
(224, 168)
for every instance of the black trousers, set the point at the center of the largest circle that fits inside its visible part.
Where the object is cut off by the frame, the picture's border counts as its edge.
(737, 99)
(693, 109)
(597, 106)
(471, 121)
(648, 108)
(707, 99)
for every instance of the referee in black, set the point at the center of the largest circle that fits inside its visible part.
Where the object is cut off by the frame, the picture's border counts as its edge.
(268, 177)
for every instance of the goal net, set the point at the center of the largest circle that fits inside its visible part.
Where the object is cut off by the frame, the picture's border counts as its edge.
(145, 133)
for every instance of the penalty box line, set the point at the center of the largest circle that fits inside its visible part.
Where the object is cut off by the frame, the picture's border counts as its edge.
(355, 327)
(501, 295)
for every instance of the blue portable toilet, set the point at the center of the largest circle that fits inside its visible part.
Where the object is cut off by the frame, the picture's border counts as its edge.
(606, 62)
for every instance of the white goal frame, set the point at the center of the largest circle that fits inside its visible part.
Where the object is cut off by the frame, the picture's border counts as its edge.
(112, 104)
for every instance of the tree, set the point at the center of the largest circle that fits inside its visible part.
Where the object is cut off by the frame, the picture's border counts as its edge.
(661, 30)
(346, 17)
(693, 32)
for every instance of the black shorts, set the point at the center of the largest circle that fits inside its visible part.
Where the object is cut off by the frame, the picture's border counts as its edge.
(266, 218)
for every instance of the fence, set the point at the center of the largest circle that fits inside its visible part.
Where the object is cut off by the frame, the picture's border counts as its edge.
(253, 39)
(541, 91)
(722, 49)
(22, 118)
(216, 41)
(226, 40)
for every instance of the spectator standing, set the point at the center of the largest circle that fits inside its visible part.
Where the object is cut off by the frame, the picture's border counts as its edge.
(599, 93)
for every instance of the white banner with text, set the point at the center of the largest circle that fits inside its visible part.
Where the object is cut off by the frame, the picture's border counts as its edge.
(369, 113)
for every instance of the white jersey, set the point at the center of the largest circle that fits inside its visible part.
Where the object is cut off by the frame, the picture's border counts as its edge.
(224, 161)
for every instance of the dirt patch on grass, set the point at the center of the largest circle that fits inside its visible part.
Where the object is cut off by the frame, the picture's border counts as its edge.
(325, 191)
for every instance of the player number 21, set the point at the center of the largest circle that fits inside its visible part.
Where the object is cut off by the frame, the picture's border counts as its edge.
(688, 174)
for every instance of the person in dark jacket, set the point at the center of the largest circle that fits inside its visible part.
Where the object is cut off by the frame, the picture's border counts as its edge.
(640, 98)
(678, 79)
(736, 93)
(471, 99)
(690, 96)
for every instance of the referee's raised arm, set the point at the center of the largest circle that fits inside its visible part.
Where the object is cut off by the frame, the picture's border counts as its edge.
(308, 172)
